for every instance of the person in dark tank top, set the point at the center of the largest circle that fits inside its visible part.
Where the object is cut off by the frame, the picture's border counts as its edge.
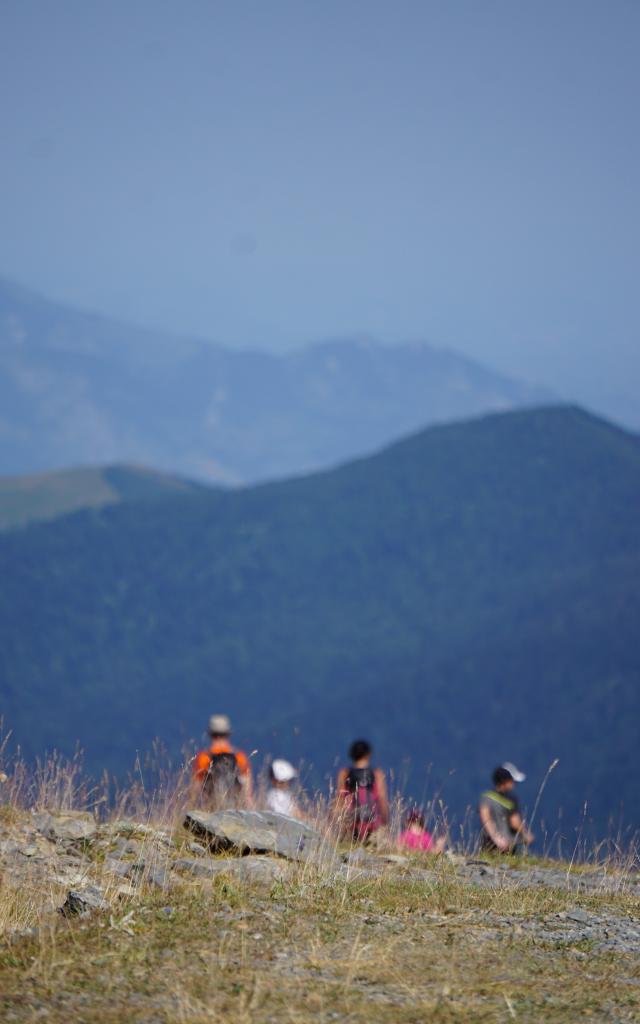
(362, 803)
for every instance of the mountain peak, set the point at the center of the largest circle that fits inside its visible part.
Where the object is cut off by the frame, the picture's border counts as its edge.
(81, 389)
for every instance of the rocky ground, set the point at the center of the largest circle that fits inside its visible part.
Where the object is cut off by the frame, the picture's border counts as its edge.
(254, 917)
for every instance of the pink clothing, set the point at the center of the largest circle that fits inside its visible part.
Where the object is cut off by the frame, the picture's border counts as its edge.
(416, 840)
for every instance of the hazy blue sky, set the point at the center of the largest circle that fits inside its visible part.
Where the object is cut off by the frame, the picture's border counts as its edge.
(272, 173)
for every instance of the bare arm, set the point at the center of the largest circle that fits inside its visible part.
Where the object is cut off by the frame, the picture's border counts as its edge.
(341, 785)
(248, 787)
(519, 828)
(383, 797)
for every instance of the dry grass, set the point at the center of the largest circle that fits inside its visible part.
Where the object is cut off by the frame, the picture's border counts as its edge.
(386, 949)
(412, 943)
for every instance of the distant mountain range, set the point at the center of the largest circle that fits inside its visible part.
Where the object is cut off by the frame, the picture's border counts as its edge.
(78, 389)
(468, 595)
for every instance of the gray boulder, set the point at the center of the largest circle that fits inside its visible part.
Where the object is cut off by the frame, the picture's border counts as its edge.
(243, 832)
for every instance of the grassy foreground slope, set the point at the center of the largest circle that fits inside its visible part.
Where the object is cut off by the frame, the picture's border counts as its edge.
(179, 934)
(27, 499)
(467, 595)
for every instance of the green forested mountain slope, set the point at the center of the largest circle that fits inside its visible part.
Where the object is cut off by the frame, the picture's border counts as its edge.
(27, 499)
(468, 595)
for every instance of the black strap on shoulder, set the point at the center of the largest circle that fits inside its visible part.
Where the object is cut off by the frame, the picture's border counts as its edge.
(360, 778)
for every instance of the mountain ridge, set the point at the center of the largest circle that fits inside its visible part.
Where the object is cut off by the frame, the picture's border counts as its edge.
(46, 496)
(77, 388)
(403, 595)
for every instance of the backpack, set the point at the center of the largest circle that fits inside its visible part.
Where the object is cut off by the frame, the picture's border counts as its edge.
(364, 807)
(222, 782)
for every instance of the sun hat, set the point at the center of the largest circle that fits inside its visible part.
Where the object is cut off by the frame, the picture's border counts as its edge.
(514, 772)
(282, 770)
(219, 725)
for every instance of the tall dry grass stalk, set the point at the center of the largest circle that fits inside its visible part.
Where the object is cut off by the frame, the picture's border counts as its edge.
(158, 791)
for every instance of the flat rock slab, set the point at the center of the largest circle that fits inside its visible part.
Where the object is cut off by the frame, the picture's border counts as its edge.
(245, 832)
(67, 827)
(247, 869)
(138, 829)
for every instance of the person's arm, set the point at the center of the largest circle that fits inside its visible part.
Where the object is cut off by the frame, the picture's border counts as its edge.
(498, 841)
(519, 828)
(341, 787)
(383, 797)
(198, 771)
(341, 795)
(246, 777)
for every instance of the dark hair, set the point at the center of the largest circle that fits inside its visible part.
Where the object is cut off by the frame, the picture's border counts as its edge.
(501, 775)
(415, 817)
(359, 749)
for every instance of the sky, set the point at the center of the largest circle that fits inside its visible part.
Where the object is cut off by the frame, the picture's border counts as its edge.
(268, 174)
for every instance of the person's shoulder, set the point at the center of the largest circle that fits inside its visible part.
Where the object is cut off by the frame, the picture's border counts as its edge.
(488, 798)
(201, 761)
(243, 761)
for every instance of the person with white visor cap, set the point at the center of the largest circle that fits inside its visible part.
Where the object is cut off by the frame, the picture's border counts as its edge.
(280, 797)
(503, 829)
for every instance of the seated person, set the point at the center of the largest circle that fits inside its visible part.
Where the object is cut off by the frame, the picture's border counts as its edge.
(362, 805)
(280, 797)
(222, 774)
(503, 829)
(416, 837)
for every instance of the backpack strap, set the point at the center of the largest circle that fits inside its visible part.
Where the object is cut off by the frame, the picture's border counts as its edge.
(498, 798)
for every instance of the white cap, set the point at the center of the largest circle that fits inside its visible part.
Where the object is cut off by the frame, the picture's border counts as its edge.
(219, 725)
(282, 771)
(514, 772)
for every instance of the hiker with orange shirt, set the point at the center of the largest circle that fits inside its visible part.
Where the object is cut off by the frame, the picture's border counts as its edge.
(222, 774)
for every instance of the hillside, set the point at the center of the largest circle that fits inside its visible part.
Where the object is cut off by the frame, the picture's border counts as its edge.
(127, 920)
(26, 499)
(77, 389)
(468, 595)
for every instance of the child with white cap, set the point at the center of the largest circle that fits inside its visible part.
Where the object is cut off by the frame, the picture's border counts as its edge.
(279, 795)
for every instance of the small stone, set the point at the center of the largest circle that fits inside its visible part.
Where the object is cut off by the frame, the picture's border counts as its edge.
(158, 877)
(395, 858)
(124, 892)
(265, 870)
(199, 868)
(67, 827)
(127, 846)
(117, 867)
(580, 916)
(84, 902)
